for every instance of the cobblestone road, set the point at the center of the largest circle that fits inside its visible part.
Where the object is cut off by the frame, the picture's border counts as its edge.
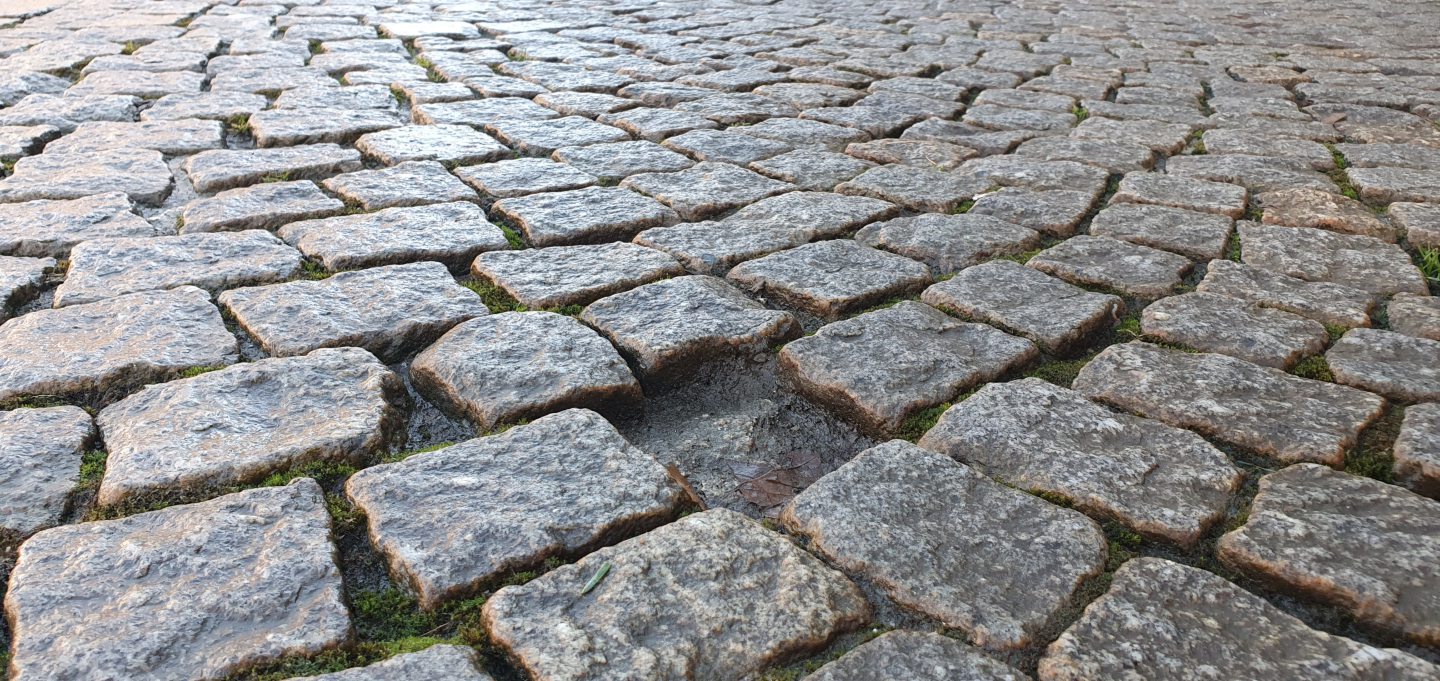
(643, 339)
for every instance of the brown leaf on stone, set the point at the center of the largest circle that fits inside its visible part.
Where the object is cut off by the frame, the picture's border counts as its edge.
(771, 487)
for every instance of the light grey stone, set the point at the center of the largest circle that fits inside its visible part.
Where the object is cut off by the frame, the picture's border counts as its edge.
(616, 161)
(1057, 212)
(573, 275)
(1256, 173)
(812, 169)
(521, 176)
(286, 127)
(1413, 315)
(412, 183)
(949, 243)
(543, 137)
(830, 279)
(212, 171)
(69, 111)
(1323, 302)
(1130, 269)
(1421, 222)
(1014, 171)
(444, 143)
(706, 188)
(20, 281)
(261, 206)
(1057, 316)
(45, 228)
(17, 141)
(919, 189)
(140, 174)
(105, 268)
(1115, 155)
(1182, 192)
(215, 106)
(1392, 364)
(40, 451)
(589, 215)
(1360, 262)
(1387, 185)
(440, 661)
(450, 233)
(1202, 236)
(147, 84)
(916, 656)
(1211, 322)
(172, 138)
(1417, 450)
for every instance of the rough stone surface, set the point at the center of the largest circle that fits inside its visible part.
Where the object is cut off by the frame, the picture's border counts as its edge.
(1270, 412)
(412, 183)
(1130, 269)
(40, 452)
(242, 423)
(1319, 255)
(706, 188)
(1413, 315)
(913, 521)
(1057, 316)
(949, 243)
(917, 358)
(920, 189)
(390, 311)
(713, 595)
(1182, 192)
(45, 228)
(450, 233)
(140, 174)
(1160, 481)
(916, 656)
(1322, 210)
(590, 215)
(1194, 235)
(1392, 364)
(521, 176)
(212, 171)
(573, 275)
(105, 268)
(1356, 543)
(267, 548)
(1230, 326)
(440, 661)
(831, 278)
(262, 206)
(1417, 450)
(453, 520)
(1321, 301)
(444, 143)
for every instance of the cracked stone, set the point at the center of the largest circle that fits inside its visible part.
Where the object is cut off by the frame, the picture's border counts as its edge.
(1319, 255)
(1392, 364)
(590, 215)
(17, 141)
(1056, 212)
(574, 275)
(40, 460)
(1232, 141)
(831, 278)
(20, 281)
(949, 243)
(656, 124)
(1251, 331)
(1060, 318)
(261, 206)
(1256, 173)
(918, 153)
(450, 233)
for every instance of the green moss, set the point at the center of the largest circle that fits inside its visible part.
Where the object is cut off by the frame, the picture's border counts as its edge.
(1315, 368)
(130, 48)
(1061, 372)
(1372, 456)
(1342, 180)
(401, 456)
(316, 46)
(512, 236)
(494, 297)
(1080, 113)
(312, 270)
(804, 668)
(324, 471)
(1128, 329)
(32, 402)
(1057, 499)
(192, 372)
(1428, 260)
(92, 469)
(1335, 331)
(964, 206)
(1233, 250)
(275, 177)
(920, 422)
(1021, 258)
(238, 124)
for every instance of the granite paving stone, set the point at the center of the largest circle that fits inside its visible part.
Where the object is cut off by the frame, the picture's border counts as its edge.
(1417, 450)
(949, 243)
(919, 189)
(261, 206)
(542, 138)
(140, 174)
(1420, 221)
(615, 161)
(1121, 266)
(580, 216)
(452, 144)
(1056, 212)
(1323, 302)
(218, 170)
(214, 261)
(1322, 210)
(449, 233)
(812, 169)
(1182, 192)
(172, 138)
(1251, 331)
(573, 275)
(1414, 315)
(412, 183)
(50, 228)
(1202, 236)
(830, 279)
(440, 661)
(287, 127)
(918, 153)
(1392, 364)
(1057, 316)
(41, 452)
(1357, 261)
(918, 656)
(521, 176)
(706, 188)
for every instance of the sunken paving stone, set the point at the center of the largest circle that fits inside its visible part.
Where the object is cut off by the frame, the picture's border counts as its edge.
(159, 590)
(261, 206)
(1058, 317)
(1323, 302)
(1386, 185)
(1413, 315)
(21, 280)
(106, 348)
(1320, 255)
(1323, 210)
(1121, 266)
(105, 268)
(213, 171)
(1375, 560)
(916, 656)
(830, 279)
(573, 275)
(812, 169)
(242, 423)
(706, 188)
(949, 243)
(449, 522)
(1202, 236)
(1055, 212)
(40, 451)
(669, 327)
(1211, 322)
(1417, 450)
(1164, 620)
(445, 143)
(140, 174)
(286, 127)
(713, 595)
(1264, 410)
(589, 215)
(919, 189)
(541, 138)
(1391, 364)
(521, 176)
(390, 311)
(1182, 192)
(450, 233)
(440, 661)
(915, 357)
(913, 521)
(616, 161)
(412, 183)
(518, 365)
(1161, 481)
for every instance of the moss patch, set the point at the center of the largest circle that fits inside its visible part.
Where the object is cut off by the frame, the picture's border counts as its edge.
(1315, 368)
(1373, 456)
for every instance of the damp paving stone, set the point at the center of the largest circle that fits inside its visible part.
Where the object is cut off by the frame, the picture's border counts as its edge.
(261, 206)
(799, 133)
(1211, 322)
(46, 228)
(514, 366)
(1163, 482)
(918, 153)
(214, 261)
(108, 347)
(168, 609)
(1306, 532)
(244, 422)
(1279, 416)
(1323, 210)
(1391, 364)
(1202, 236)
(213, 171)
(1323, 302)
(452, 520)
(573, 275)
(1014, 171)
(949, 243)
(451, 144)
(439, 661)
(140, 174)
(1420, 221)
(919, 189)
(1056, 212)
(832, 278)
(725, 146)
(1182, 192)
(655, 124)
(616, 161)
(1131, 269)
(1320, 255)
(390, 311)
(481, 112)
(589, 215)
(521, 176)
(919, 656)
(172, 138)
(1115, 156)
(1417, 450)
(288, 127)
(412, 183)
(542, 138)
(812, 169)
(916, 357)
(914, 521)
(1387, 185)
(1413, 315)
(40, 454)
(1058, 317)
(1164, 620)
(669, 327)
(706, 188)
(450, 233)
